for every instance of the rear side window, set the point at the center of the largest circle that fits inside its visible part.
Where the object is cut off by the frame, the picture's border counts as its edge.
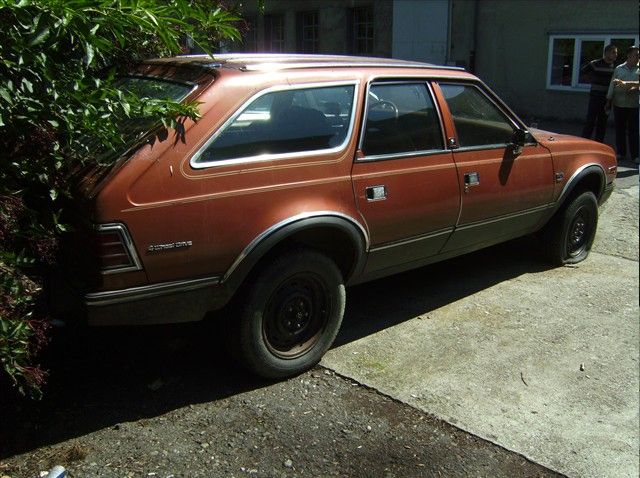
(283, 122)
(401, 118)
(478, 121)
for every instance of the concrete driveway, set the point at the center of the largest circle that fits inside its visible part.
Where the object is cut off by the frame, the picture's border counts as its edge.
(541, 361)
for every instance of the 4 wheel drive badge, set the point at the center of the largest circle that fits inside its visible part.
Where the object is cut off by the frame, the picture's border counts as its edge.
(170, 246)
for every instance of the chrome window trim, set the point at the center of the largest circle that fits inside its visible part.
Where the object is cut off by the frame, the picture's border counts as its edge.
(407, 154)
(123, 232)
(484, 147)
(193, 161)
(412, 154)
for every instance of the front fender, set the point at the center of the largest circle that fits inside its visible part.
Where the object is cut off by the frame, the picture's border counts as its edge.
(590, 177)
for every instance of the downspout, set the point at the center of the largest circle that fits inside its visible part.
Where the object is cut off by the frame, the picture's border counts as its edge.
(449, 27)
(474, 37)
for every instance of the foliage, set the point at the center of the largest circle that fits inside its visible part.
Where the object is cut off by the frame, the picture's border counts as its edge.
(57, 101)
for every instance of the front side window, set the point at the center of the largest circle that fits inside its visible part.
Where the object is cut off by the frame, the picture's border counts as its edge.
(283, 122)
(478, 121)
(401, 119)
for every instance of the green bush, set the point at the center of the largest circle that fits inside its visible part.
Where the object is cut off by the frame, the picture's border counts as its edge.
(57, 103)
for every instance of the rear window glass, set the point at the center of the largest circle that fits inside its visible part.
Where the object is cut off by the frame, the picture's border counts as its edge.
(134, 128)
(154, 88)
(284, 122)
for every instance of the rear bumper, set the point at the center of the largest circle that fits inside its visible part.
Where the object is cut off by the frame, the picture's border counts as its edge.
(163, 303)
(169, 302)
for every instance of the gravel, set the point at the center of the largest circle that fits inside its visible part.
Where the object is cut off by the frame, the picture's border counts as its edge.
(168, 402)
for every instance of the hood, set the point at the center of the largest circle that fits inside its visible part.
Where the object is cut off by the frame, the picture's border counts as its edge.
(557, 142)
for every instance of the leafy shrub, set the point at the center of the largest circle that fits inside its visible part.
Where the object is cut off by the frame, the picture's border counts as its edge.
(57, 102)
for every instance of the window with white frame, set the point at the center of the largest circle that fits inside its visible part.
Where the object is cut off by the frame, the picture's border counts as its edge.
(568, 53)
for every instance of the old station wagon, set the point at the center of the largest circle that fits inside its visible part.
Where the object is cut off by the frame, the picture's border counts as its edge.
(307, 174)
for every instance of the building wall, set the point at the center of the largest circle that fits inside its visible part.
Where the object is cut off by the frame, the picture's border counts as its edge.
(421, 30)
(506, 43)
(334, 23)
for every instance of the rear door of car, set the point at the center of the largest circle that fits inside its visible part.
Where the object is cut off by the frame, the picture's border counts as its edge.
(404, 178)
(506, 189)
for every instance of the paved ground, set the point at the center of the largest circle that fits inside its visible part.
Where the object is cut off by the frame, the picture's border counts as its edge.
(541, 361)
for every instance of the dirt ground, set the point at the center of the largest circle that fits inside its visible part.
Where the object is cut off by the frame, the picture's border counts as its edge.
(168, 402)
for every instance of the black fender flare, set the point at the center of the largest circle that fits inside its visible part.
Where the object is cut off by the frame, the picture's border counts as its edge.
(348, 228)
(590, 177)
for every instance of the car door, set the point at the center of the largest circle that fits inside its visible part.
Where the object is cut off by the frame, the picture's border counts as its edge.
(505, 188)
(405, 181)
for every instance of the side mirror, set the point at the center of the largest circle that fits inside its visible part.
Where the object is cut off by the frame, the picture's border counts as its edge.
(520, 137)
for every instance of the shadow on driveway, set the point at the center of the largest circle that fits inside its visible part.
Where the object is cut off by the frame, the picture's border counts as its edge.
(375, 306)
(101, 377)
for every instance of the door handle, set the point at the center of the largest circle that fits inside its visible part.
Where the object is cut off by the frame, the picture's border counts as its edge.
(376, 193)
(471, 179)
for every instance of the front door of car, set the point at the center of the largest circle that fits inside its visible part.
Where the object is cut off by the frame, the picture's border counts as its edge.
(404, 180)
(506, 188)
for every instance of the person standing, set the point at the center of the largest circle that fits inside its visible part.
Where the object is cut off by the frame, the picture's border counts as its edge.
(600, 72)
(623, 92)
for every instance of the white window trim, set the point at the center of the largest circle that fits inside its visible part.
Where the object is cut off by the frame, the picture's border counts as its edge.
(606, 38)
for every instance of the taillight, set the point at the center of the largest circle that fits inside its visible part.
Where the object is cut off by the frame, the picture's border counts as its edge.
(116, 251)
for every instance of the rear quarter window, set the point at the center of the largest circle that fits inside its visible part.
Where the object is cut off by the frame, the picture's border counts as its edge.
(282, 123)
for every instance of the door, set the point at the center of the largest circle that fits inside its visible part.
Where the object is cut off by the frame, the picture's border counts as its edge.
(505, 188)
(405, 182)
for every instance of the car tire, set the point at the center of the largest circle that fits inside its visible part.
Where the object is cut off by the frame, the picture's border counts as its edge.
(290, 314)
(570, 234)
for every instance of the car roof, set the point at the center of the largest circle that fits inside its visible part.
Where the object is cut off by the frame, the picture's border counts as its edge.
(271, 62)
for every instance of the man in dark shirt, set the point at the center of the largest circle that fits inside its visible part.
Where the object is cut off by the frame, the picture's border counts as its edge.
(599, 72)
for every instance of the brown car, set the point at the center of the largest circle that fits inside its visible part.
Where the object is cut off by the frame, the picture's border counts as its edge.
(307, 174)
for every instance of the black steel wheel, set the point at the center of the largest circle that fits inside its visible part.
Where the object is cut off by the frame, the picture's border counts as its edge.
(570, 234)
(291, 314)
